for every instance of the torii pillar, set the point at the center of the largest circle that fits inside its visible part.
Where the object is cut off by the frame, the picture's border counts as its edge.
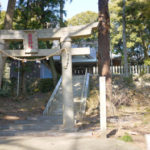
(68, 104)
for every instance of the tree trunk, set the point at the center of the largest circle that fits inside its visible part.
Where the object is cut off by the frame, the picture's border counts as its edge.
(61, 13)
(126, 74)
(61, 23)
(104, 45)
(51, 65)
(7, 25)
(145, 48)
(22, 79)
(2, 61)
(146, 52)
(9, 15)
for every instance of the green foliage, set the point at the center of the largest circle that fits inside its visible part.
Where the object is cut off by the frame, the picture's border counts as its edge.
(31, 85)
(6, 88)
(35, 14)
(16, 45)
(2, 17)
(137, 26)
(142, 73)
(147, 62)
(4, 93)
(27, 67)
(42, 45)
(45, 85)
(83, 18)
(39, 85)
(6, 84)
(126, 138)
(147, 110)
(128, 80)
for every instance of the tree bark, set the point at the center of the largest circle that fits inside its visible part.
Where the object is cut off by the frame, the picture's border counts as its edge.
(104, 45)
(145, 52)
(9, 15)
(126, 74)
(2, 61)
(23, 80)
(7, 25)
(145, 46)
(61, 13)
(51, 65)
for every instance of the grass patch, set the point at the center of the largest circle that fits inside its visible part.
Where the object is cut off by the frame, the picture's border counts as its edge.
(128, 81)
(126, 138)
(146, 118)
(147, 110)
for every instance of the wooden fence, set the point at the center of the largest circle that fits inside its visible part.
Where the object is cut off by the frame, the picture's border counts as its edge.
(135, 70)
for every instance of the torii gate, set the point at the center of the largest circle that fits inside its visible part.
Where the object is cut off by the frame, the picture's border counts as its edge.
(64, 35)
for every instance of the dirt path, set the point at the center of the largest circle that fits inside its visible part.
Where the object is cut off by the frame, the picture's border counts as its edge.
(71, 142)
(12, 108)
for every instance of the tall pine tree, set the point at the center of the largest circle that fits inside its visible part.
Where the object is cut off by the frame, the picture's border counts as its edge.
(104, 44)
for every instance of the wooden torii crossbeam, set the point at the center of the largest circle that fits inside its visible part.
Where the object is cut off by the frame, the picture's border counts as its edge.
(64, 35)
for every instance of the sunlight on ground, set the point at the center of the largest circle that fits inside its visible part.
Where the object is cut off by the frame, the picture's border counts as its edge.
(11, 117)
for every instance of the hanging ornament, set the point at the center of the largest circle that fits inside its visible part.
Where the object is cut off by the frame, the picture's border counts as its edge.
(47, 58)
(38, 61)
(24, 60)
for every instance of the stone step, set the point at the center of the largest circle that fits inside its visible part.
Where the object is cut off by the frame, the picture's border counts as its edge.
(42, 118)
(57, 106)
(34, 123)
(34, 130)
